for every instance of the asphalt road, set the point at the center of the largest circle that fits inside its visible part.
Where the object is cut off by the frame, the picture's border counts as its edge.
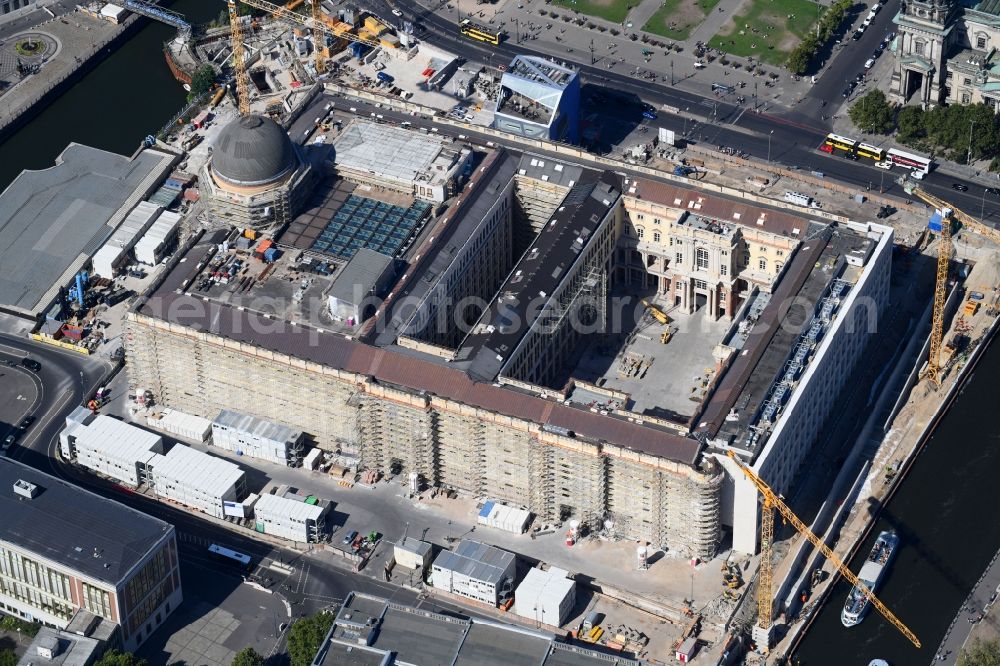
(850, 57)
(620, 116)
(60, 386)
(793, 137)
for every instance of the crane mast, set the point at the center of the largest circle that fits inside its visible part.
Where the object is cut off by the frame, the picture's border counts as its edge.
(239, 64)
(947, 211)
(764, 600)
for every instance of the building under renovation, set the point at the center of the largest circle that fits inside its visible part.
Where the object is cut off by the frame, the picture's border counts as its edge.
(514, 360)
(257, 176)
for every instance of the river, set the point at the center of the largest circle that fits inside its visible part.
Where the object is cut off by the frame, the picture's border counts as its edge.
(945, 513)
(128, 95)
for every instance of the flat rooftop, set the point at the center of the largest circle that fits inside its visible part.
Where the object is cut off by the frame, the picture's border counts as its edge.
(288, 289)
(551, 256)
(750, 384)
(395, 153)
(405, 635)
(52, 221)
(68, 525)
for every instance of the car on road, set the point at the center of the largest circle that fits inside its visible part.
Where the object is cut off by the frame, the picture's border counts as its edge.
(349, 538)
(961, 187)
(31, 364)
(993, 190)
(858, 33)
(649, 115)
(397, 13)
(884, 165)
(26, 422)
(869, 63)
(8, 441)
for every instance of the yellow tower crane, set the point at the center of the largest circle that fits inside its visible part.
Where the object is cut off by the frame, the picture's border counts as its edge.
(313, 22)
(765, 603)
(239, 64)
(946, 212)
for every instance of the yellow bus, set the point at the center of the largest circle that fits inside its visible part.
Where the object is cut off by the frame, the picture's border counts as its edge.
(840, 142)
(870, 151)
(480, 33)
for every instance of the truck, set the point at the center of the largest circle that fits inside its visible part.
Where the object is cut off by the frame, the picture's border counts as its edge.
(681, 170)
(384, 77)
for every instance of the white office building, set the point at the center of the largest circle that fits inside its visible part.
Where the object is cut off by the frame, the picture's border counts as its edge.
(477, 571)
(545, 596)
(247, 435)
(777, 436)
(289, 517)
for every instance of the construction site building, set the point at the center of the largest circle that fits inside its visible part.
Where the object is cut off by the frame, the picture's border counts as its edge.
(477, 371)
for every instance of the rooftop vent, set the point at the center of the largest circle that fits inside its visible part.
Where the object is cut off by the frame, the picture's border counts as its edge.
(26, 489)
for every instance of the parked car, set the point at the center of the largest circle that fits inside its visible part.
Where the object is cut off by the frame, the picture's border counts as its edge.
(8, 441)
(649, 115)
(349, 538)
(869, 63)
(961, 187)
(858, 33)
(31, 364)
(993, 190)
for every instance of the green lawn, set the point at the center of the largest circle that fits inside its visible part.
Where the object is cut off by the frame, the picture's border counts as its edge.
(775, 28)
(609, 10)
(677, 18)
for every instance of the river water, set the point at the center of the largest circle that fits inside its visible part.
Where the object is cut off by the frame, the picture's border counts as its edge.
(944, 511)
(127, 96)
(945, 514)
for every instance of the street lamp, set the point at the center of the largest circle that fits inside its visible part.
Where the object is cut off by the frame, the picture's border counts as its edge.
(972, 124)
(769, 147)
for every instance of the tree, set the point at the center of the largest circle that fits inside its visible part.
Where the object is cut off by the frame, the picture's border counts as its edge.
(800, 57)
(202, 81)
(306, 636)
(981, 653)
(116, 658)
(248, 657)
(910, 124)
(8, 658)
(873, 113)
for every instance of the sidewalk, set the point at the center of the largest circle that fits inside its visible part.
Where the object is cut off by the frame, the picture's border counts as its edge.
(658, 60)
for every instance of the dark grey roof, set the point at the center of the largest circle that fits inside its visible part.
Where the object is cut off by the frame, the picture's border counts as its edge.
(52, 220)
(476, 560)
(68, 525)
(360, 276)
(252, 151)
(549, 261)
